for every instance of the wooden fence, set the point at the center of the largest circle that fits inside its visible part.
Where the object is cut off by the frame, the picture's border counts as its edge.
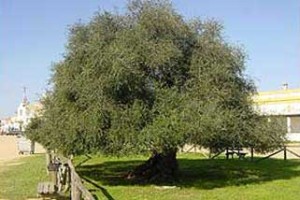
(78, 191)
(284, 149)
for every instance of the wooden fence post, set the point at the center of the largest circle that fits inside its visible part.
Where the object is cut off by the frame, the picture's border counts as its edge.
(251, 153)
(47, 161)
(78, 191)
(227, 155)
(75, 191)
(284, 152)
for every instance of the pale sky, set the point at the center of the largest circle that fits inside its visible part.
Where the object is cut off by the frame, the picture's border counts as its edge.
(33, 34)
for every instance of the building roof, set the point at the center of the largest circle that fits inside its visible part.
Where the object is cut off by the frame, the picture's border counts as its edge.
(279, 102)
(278, 96)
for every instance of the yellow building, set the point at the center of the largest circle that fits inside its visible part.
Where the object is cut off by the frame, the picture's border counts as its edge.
(285, 102)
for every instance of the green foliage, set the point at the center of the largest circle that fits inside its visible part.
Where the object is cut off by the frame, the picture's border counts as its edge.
(149, 80)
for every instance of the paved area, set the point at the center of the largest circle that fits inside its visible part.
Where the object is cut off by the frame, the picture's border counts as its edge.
(9, 150)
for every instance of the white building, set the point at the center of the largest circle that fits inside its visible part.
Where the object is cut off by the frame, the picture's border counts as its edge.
(285, 102)
(9, 124)
(25, 112)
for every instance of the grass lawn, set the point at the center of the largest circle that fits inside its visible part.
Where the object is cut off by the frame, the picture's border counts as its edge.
(199, 178)
(19, 178)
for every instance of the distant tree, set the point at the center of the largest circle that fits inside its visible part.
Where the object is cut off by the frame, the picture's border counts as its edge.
(149, 81)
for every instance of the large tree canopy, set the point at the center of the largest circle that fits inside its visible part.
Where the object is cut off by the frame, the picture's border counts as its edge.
(148, 80)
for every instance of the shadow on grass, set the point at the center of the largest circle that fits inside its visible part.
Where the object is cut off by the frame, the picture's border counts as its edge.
(202, 173)
(61, 198)
(102, 189)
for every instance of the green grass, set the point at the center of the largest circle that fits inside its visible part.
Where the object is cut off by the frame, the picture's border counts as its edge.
(19, 178)
(199, 178)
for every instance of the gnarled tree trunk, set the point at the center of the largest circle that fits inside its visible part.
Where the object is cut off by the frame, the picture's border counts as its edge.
(159, 167)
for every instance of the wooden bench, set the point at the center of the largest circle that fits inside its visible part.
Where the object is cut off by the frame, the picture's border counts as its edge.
(241, 155)
(238, 151)
(229, 153)
(46, 189)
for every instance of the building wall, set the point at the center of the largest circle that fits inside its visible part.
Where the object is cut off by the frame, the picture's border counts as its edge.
(282, 103)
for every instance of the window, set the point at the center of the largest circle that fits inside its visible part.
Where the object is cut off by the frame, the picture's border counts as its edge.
(295, 124)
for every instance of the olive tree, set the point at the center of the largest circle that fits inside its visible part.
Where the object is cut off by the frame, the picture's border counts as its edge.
(148, 80)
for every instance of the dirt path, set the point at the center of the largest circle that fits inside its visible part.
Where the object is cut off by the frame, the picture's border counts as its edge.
(9, 150)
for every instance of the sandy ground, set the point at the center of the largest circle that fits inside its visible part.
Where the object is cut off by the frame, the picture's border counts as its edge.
(9, 149)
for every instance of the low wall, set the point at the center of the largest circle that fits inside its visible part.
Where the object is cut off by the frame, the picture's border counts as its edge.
(294, 137)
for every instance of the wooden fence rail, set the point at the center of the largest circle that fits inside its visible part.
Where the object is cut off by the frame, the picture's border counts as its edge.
(78, 191)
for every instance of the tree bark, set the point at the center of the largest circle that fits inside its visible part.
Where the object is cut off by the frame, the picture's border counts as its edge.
(159, 167)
